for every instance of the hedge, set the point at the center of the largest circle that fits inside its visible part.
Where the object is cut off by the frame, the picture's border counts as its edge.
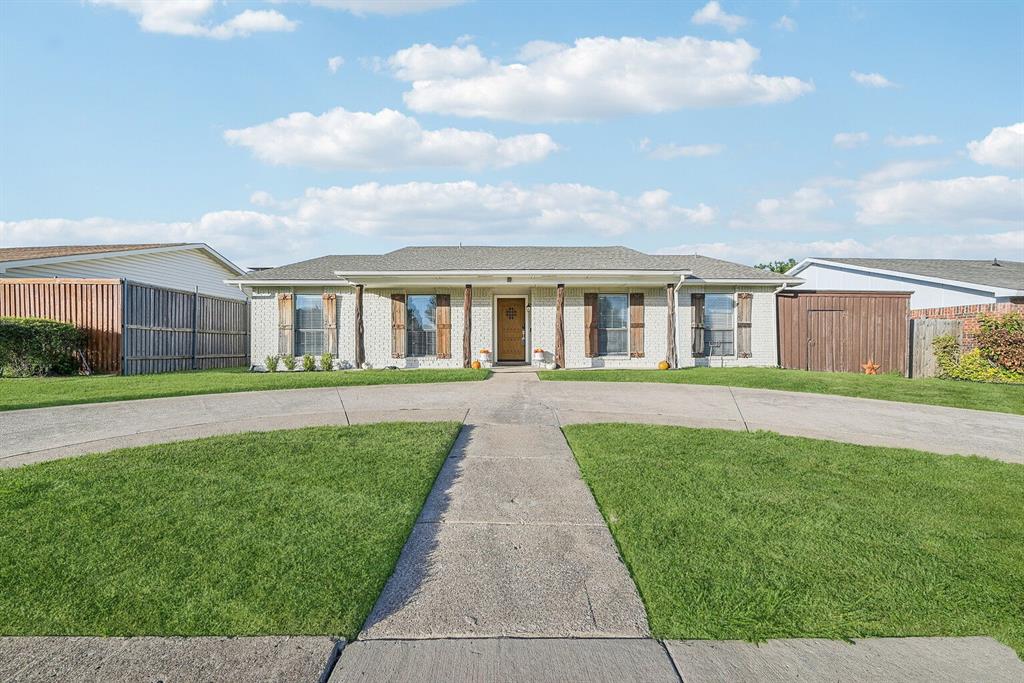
(37, 346)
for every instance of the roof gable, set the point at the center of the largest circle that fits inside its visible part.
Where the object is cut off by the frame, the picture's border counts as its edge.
(987, 273)
(23, 256)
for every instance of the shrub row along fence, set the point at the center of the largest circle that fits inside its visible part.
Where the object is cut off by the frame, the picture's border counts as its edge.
(134, 328)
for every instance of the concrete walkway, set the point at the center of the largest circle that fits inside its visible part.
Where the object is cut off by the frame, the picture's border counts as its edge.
(43, 434)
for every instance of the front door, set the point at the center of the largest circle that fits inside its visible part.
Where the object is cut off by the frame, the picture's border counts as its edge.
(511, 330)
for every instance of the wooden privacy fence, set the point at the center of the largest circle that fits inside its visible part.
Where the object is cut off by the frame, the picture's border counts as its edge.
(840, 331)
(134, 328)
(923, 332)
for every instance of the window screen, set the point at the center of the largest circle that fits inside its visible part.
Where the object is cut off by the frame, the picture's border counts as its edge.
(309, 324)
(719, 318)
(421, 328)
(612, 324)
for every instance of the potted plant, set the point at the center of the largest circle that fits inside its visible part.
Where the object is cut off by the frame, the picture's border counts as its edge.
(485, 356)
(538, 355)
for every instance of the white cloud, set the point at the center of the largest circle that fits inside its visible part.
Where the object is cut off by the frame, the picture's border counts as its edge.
(391, 8)
(956, 201)
(673, 151)
(912, 140)
(594, 78)
(429, 62)
(335, 63)
(1008, 245)
(785, 24)
(798, 211)
(186, 18)
(850, 140)
(1002, 147)
(325, 220)
(900, 170)
(872, 80)
(712, 13)
(386, 139)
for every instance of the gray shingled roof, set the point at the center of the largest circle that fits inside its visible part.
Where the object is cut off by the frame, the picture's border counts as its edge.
(1008, 274)
(463, 259)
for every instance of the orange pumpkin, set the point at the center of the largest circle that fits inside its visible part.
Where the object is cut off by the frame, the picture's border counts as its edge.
(475, 364)
(663, 365)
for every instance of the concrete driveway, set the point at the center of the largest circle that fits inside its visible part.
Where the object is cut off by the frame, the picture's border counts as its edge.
(47, 433)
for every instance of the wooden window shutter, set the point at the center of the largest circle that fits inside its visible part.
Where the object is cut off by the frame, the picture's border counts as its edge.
(697, 324)
(590, 325)
(398, 325)
(744, 303)
(285, 326)
(636, 325)
(443, 320)
(331, 323)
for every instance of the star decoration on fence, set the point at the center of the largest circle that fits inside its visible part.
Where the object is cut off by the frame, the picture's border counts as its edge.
(871, 367)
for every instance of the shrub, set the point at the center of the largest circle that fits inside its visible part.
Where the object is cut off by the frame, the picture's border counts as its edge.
(36, 346)
(289, 362)
(972, 366)
(1001, 340)
(271, 363)
(326, 362)
(308, 363)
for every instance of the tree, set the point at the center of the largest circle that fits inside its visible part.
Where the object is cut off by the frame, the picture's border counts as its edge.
(777, 266)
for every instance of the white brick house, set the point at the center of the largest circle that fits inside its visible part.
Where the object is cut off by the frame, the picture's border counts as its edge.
(620, 308)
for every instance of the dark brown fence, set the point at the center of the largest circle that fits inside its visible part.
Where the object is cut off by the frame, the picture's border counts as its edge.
(168, 330)
(841, 331)
(91, 305)
(135, 328)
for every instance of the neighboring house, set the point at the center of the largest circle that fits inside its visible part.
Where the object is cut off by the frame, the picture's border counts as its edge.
(934, 283)
(176, 266)
(582, 306)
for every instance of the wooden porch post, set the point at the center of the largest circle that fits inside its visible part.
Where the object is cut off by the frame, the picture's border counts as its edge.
(467, 327)
(670, 306)
(360, 352)
(560, 326)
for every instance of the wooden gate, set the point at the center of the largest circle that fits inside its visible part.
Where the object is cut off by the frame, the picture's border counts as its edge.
(826, 343)
(923, 333)
(839, 331)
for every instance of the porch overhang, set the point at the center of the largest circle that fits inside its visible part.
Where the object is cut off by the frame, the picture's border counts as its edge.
(520, 278)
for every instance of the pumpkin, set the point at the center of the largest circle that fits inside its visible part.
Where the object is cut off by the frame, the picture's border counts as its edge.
(663, 365)
(475, 364)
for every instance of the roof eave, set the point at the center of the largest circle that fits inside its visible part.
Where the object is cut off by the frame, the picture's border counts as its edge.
(977, 286)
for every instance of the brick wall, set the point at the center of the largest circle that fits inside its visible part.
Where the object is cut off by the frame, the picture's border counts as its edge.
(969, 315)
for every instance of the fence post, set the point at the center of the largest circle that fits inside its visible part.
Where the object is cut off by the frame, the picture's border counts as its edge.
(195, 325)
(124, 327)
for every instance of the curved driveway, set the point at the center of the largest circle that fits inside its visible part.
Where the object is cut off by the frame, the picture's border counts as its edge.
(48, 433)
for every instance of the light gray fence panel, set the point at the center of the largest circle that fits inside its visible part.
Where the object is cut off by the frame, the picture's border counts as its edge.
(923, 333)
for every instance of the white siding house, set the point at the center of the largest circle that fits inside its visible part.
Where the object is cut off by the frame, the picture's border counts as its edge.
(934, 283)
(176, 266)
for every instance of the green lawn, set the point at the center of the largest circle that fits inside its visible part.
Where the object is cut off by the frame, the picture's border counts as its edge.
(39, 392)
(731, 535)
(1002, 398)
(289, 532)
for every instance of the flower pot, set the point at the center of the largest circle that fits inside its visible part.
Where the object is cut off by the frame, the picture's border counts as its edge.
(538, 356)
(485, 356)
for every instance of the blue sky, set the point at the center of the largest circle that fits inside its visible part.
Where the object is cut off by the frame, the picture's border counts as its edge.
(744, 130)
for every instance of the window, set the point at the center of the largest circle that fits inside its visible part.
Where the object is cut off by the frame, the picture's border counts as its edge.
(309, 324)
(421, 327)
(719, 330)
(612, 324)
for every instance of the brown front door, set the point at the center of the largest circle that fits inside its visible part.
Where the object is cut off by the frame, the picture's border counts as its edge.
(511, 330)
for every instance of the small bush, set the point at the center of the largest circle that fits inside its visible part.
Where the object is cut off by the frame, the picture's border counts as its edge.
(972, 366)
(271, 363)
(36, 346)
(327, 362)
(309, 363)
(1001, 340)
(289, 362)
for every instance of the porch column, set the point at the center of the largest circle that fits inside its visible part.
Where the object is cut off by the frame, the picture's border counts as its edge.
(467, 327)
(670, 306)
(360, 352)
(560, 326)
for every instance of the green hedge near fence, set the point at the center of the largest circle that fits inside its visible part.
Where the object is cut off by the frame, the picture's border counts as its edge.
(37, 346)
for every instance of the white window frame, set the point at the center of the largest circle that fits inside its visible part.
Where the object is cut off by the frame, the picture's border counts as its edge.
(735, 326)
(629, 350)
